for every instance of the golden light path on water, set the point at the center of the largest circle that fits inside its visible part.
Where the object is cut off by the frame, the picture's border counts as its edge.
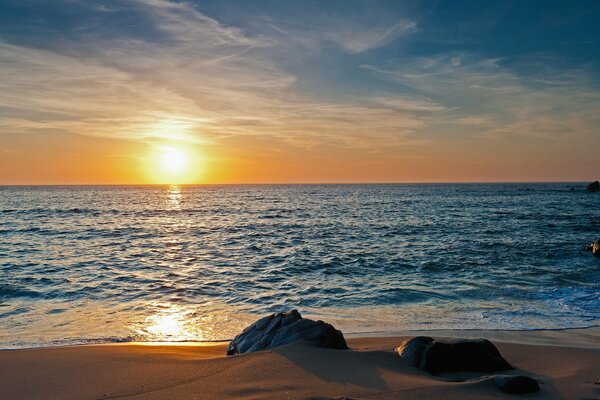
(174, 197)
(174, 323)
(171, 322)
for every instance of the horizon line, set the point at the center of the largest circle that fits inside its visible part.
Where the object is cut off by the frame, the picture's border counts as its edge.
(288, 183)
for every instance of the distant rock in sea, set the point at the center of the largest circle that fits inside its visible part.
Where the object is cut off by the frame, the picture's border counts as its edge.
(460, 355)
(283, 328)
(595, 248)
(594, 187)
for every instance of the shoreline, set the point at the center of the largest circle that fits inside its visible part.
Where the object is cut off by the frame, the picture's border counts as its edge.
(370, 369)
(587, 337)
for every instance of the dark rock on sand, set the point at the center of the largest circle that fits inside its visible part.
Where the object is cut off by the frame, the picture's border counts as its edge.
(516, 384)
(412, 350)
(595, 248)
(594, 187)
(436, 356)
(283, 328)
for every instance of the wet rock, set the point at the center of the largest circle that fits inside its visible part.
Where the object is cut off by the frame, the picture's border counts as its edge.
(436, 356)
(283, 328)
(594, 187)
(516, 384)
(595, 248)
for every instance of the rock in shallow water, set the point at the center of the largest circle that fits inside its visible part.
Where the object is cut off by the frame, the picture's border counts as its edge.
(516, 384)
(436, 356)
(595, 248)
(594, 187)
(283, 328)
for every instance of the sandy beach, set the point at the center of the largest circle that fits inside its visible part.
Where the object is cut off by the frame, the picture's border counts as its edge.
(565, 363)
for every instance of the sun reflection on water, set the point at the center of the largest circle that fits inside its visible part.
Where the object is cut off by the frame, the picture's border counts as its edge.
(174, 197)
(171, 323)
(168, 322)
(166, 325)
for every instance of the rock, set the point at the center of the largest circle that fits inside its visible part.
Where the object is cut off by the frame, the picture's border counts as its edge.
(436, 356)
(594, 187)
(516, 384)
(283, 328)
(595, 248)
(412, 350)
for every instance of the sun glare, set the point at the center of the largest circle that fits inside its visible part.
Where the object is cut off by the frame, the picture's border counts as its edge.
(166, 326)
(173, 164)
(170, 323)
(173, 160)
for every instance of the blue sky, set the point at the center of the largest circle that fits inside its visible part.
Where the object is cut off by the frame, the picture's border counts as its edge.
(499, 86)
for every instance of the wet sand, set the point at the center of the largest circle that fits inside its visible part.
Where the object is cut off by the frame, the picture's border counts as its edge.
(565, 363)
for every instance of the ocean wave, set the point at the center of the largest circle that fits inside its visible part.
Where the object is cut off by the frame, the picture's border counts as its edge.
(8, 292)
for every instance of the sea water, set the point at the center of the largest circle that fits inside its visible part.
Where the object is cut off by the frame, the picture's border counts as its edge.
(82, 264)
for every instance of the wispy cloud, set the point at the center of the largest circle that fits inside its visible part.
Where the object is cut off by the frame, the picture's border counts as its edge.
(216, 79)
(407, 103)
(357, 39)
(493, 96)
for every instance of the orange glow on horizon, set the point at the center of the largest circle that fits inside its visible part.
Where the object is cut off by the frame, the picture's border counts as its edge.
(61, 159)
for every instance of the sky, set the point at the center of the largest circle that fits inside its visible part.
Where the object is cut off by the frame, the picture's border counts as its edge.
(111, 92)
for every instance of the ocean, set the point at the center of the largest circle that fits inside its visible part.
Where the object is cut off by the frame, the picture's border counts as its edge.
(89, 264)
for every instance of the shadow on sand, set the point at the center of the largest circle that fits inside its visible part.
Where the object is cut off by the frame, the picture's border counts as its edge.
(383, 375)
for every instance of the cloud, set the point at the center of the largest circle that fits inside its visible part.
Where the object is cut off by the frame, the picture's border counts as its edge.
(357, 39)
(185, 25)
(407, 103)
(351, 37)
(196, 80)
(525, 97)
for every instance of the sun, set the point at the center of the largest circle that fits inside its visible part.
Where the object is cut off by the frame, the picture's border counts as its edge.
(173, 164)
(173, 161)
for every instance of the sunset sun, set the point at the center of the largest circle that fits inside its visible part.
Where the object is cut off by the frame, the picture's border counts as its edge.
(173, 161)
(173, 164)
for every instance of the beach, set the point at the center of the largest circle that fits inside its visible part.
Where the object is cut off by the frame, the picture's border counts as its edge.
(316, 200)
(564, 362)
